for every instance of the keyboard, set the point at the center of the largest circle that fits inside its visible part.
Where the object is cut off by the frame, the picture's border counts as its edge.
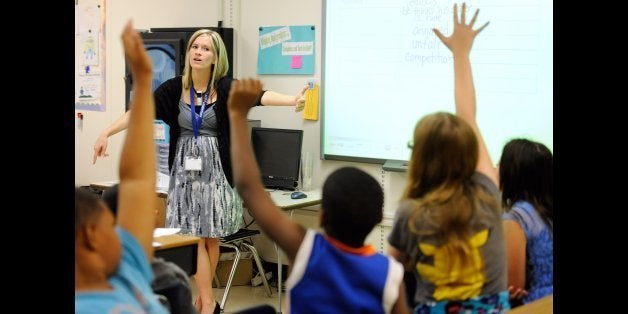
(284, 183)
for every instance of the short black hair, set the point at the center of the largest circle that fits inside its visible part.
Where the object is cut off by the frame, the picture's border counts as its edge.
(110, 196)
(352, 205)
(87, 206)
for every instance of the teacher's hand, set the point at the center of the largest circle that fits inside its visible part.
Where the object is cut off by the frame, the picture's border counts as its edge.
(299, 99)
(100, 148)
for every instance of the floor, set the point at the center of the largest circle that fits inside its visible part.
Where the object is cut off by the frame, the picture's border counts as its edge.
(242, 297)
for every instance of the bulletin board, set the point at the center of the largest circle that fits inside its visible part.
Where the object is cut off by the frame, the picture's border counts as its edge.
(89, 55)
(286, 50)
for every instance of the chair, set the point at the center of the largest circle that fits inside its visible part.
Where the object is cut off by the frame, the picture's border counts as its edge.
(236, 241)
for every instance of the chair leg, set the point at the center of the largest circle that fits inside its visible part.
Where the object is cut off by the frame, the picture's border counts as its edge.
(258, 262)
(231, 274)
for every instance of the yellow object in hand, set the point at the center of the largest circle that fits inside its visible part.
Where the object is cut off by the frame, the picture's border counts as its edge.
(311, 103)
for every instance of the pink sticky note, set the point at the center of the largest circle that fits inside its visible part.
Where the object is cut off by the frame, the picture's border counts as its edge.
(297, 61)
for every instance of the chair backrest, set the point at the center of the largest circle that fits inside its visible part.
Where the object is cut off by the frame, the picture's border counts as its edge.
(172, 282)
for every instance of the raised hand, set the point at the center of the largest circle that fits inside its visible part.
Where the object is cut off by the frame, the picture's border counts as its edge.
(136, 55)
(461, 40)
(243, 95)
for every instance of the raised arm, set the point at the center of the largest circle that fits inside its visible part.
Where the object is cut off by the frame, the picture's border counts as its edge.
(271, 98)
(460, 43)
(100, 147)
(136, 196)
(283, 231)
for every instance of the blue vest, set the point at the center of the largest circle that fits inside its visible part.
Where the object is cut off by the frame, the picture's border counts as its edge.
(327, 279)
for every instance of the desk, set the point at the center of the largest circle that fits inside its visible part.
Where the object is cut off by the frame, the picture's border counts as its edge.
(179, 249)
(282, 200)
(162, 197)
(541, 306)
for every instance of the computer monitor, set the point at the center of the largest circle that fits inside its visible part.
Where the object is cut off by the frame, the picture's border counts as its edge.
(278, 154)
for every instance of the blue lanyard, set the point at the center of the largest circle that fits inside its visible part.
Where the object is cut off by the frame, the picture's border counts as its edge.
(196, 122)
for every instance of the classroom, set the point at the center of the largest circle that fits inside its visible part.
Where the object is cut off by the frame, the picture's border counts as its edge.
(381, 149)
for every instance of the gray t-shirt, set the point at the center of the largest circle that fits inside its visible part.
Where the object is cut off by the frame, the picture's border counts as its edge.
(434, 281)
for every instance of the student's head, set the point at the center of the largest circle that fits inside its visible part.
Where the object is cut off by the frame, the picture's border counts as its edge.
(94, 231)
(205, 50)
(110, 197)
(526, 173)
(352, 205)
(444, 154)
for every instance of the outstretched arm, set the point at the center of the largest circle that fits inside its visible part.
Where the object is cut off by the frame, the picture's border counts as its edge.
(460, 43)
(271, 98)
(283, 231)
(100, 147)
(136, 200)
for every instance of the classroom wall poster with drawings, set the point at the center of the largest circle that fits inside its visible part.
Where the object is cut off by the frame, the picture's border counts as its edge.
(286, 50)
(89, 55)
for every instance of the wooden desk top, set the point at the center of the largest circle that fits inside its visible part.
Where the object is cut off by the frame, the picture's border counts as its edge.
(540, 306)
(175, 240)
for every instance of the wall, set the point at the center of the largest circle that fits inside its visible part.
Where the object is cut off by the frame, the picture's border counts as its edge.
(245, 16)
(299, 12)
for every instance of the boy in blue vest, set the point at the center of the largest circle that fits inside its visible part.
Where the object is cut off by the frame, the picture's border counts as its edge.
(332, 272)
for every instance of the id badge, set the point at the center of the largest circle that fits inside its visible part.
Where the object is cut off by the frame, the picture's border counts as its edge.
(193, 163)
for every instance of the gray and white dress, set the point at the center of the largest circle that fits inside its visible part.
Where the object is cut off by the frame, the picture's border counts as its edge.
(202, 203)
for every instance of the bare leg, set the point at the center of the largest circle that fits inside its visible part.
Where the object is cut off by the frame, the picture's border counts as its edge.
(206, 268)
(213, 247)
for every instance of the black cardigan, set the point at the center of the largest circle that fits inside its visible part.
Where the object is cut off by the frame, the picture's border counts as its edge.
(167, 97)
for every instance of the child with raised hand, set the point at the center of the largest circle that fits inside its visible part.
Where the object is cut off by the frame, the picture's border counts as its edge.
(448, 228)
(332, 272)
(112, 257)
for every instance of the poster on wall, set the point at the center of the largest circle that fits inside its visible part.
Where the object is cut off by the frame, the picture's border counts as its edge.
(286, 50)
(89, 55)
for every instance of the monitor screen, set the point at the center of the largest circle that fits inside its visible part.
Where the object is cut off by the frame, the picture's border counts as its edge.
(278, 154)
(165, 54)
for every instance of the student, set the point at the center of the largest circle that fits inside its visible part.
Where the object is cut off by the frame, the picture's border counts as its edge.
(169, 280)
(526, 181)
(112, 257)
(201, 198)
(332, 272)
(448, 228)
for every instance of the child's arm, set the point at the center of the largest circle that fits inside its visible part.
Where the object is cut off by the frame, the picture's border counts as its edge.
(516, 258)
(283, 231)
(136, 207)
(460, 43)
(401, 306)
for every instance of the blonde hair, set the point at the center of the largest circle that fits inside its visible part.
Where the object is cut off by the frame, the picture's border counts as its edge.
(444, 157)
(221, 67)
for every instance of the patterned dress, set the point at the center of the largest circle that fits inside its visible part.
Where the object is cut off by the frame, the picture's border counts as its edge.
(201, 203)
